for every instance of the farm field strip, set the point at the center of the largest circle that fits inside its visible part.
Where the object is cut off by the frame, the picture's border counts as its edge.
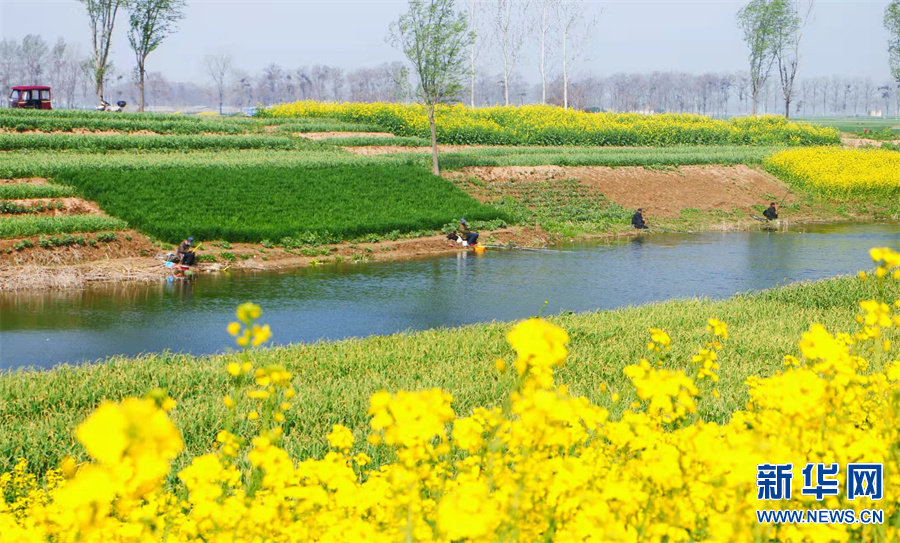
(547, 125)
(21, 191)
(105, 143)
(840, 173)
(24, 226)
(14, 120)
(251, 205)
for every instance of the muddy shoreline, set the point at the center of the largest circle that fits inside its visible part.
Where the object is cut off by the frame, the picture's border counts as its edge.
(151, 269)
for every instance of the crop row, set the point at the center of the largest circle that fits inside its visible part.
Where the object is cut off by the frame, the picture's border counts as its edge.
(12, 208)
(68, 120)
(104, 143)
(71, 121)
(254, 204)
(547, 125)
(26, 164)
(25, 191)
(839, 173)
(581, 156)
(19, 227)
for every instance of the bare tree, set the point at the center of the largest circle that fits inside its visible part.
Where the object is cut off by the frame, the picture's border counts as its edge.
(434, 38)
(808, 92)
(34, 57)
(884, 91)
(10, 53)
(788, 54)
(472, 8)
(543, 24)
(574, 26)
(218, 67)
(102, 15)
(509, 30)
(151, 21)
(866, 90)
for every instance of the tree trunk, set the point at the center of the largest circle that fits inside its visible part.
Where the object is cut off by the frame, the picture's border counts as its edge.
(754, 100)
(543, 55)
(565, 74)
(221, 100)
(434, 151)
(787, 108)
(141, 75)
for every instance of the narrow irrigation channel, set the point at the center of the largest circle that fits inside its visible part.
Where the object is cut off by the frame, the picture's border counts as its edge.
(45, 329)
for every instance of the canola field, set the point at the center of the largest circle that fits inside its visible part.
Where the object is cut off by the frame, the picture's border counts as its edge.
(545, 465)
(839, 173)
(548, 125)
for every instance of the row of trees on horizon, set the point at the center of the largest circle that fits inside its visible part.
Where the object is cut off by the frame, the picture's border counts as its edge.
(495, 32)
(61, 66)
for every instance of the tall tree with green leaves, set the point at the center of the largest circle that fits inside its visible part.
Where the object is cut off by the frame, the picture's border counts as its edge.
(766, 26)
(150, 22)
(102, 15)
(892, 24)
(435, 39)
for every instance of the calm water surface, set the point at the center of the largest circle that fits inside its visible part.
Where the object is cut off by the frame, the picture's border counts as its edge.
(340, 301)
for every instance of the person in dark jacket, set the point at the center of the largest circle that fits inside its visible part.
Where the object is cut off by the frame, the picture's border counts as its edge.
(469, 236)
(637, 220)
(771, 213)
(185, 252)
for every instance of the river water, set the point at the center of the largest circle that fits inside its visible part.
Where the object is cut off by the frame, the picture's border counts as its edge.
(347, 300)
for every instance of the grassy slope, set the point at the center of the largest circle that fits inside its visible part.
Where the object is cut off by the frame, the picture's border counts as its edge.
(335, 379)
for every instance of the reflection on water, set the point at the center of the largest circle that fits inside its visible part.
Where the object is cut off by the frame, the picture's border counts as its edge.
(340, 301)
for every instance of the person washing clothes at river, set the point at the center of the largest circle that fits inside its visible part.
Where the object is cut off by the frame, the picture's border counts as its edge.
(185, 252)
(770, 213)
(637, 220)
(469, 237)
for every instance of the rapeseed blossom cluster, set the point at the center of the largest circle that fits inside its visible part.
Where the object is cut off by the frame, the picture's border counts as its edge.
(839, 173)
(544, 465)
(550, 125)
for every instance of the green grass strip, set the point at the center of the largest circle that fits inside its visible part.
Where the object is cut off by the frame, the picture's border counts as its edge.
(19, 164)
(16, 191)
(104, 143)
(19, 227)
(334, 380)
(254, 204)
(598, 156)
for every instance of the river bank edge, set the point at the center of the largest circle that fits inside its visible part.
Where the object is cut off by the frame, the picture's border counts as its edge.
(257, 258)
(335, 379)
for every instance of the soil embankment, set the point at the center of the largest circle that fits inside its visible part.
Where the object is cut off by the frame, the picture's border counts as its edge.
(662, 193)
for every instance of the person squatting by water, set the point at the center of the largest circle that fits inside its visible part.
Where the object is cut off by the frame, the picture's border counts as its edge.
(185, 252)
(771, 213)
(637, 220)
(469, 237)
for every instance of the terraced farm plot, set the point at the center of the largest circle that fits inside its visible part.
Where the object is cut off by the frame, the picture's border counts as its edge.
(251, 205)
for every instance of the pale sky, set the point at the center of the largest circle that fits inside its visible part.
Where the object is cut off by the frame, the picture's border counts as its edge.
(844, 37)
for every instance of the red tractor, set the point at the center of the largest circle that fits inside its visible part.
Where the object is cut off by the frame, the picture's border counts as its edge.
(30, 97)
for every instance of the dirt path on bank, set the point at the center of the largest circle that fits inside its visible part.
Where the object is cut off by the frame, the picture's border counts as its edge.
(388, 149)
